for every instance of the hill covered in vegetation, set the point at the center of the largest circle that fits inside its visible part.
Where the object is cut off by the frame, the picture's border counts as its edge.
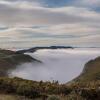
(91, 71)
(10, 59)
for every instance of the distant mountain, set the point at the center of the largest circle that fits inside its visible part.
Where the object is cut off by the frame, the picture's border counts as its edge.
(34, 49)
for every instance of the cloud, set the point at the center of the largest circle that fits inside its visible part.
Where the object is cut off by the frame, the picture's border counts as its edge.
(30, 15)
(27, 13)
(59, 3)
(28, 19)
(56, 65)
(95, 3)
(71, 34)
(36, 16)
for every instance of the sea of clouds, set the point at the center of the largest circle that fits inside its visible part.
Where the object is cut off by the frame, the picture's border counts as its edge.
(61, 64)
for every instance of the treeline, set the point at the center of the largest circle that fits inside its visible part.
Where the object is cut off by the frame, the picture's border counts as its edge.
(33, 89)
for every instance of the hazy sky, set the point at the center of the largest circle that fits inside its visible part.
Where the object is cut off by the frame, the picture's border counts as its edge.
(49, 22)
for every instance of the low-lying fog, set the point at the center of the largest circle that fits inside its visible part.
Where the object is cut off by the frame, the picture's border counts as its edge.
(61, 64)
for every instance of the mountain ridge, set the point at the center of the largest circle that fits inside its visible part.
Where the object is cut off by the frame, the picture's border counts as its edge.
(34, 49)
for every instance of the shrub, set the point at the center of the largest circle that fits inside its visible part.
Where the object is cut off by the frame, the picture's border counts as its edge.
(53, 97)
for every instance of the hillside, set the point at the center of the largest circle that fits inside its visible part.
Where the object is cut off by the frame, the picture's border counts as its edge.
(91, 71)
(10, 59)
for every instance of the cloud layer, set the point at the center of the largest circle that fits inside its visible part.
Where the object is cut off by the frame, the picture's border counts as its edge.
(57, 65)
(27, 19)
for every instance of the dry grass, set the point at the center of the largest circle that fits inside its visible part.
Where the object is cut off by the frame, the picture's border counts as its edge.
(12, 97)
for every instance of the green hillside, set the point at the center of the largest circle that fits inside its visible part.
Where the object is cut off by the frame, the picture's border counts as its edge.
(10, 59)
(91, 71)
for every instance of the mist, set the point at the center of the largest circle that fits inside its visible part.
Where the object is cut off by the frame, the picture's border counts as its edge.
(61, 64)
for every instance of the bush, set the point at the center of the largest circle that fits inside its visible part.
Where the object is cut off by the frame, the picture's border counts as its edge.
(53, 97)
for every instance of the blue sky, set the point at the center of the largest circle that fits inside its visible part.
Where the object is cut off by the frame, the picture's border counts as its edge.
(60, 3)
(55, 3)
(49, 22)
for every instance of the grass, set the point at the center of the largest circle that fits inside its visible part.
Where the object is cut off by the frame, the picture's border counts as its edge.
(52, 97)
(12, 97)
(15, 97)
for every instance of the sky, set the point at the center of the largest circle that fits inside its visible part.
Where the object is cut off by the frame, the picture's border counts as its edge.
(28, 23)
